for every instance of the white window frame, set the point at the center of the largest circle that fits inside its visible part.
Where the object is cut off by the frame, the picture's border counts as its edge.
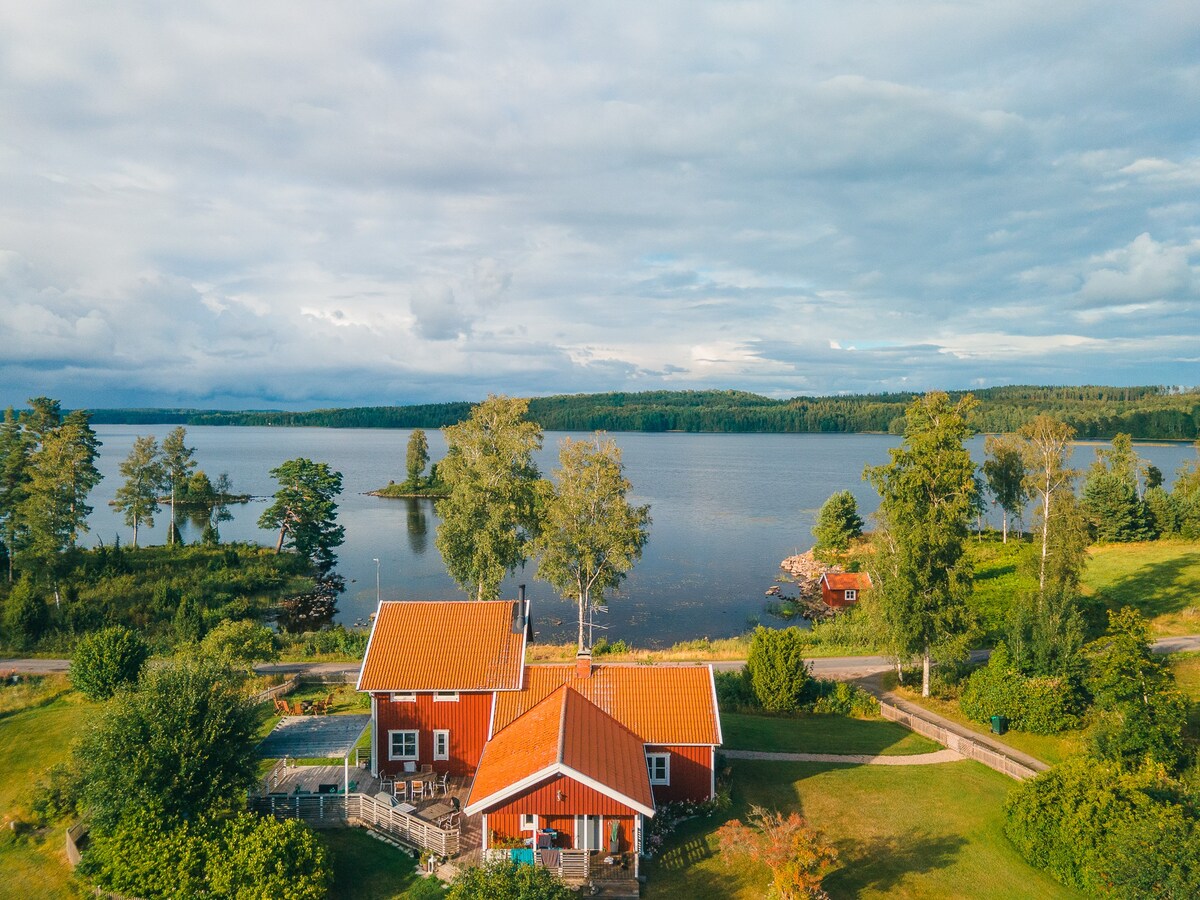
(445, 697)
(652, 760)
(851, 594)
(441, 735)
(529, 822)
(416, 742)
(404, 698)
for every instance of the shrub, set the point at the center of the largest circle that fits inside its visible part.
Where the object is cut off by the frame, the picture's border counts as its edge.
(843, 698)
(265, 857)
(838, 522)
(778, 672)
(241, 643)
(1037, 705)
(1082, 821)
(602, 647)
(26, 616)
(55, 794)
(735, 690)
(508, 881)
(106, 661)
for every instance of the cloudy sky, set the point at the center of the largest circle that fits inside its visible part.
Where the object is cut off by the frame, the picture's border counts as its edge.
(294, 204)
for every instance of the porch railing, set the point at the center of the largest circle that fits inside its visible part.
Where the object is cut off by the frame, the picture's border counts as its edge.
(335, 809)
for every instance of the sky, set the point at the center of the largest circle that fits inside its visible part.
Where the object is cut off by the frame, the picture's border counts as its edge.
(300, 204)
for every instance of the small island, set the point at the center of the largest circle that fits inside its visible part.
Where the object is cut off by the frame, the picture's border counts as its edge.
(417, 484)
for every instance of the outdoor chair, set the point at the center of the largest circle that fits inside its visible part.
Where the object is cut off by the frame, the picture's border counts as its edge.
(442, 783)
(281, 707)
(298, 708)
(426, 769)
(416, 789)
(410, 767)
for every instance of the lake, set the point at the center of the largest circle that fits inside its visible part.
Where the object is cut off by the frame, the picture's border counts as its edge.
(726, 508)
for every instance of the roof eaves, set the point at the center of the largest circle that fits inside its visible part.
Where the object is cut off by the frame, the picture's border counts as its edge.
(367, 653)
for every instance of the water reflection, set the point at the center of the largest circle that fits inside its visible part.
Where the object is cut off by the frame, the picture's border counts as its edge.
(418, 524)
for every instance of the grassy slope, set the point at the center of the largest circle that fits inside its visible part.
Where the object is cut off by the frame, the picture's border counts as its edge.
(365, 868)
(821, 734)
(1162, 579)
(37, 724)
(917, 832)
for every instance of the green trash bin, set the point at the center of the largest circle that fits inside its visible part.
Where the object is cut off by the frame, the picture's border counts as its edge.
(999, 724)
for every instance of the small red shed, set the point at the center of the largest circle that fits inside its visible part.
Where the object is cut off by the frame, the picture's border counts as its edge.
(842, 589)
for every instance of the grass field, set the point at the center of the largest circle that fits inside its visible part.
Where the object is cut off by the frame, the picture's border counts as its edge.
(38, 721)
(909, 832)
(821, 734)
(1161, 579)
(367, 869)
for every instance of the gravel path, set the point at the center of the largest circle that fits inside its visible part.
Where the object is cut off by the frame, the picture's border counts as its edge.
(915, 759)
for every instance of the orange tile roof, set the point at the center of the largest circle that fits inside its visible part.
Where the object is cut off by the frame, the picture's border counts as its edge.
(843, 581)
(563, 734)
(660, 704)
(451, 645)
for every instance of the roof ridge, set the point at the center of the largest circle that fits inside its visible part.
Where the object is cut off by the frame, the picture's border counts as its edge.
(562, 724)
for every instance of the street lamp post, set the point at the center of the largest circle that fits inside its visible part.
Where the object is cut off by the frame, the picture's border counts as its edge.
(376, 582)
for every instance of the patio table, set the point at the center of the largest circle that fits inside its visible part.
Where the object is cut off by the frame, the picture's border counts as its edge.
(435, 812)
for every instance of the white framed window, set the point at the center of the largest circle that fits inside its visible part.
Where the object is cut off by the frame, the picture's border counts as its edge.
(402, 744)
(445, 697)
(659, 767)
(851, 594)
(441, 743)
(529, 822)
(404, 698)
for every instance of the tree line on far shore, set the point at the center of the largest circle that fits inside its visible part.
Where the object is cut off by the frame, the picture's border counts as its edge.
(1146, 412)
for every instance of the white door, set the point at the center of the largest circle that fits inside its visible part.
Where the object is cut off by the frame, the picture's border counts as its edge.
(588, 832)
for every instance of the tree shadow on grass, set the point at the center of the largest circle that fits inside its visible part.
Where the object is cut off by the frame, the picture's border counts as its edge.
(668, 874)
(1157, 588)
(881, 864)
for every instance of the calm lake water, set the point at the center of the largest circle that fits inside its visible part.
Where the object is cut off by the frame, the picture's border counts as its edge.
(725, 508)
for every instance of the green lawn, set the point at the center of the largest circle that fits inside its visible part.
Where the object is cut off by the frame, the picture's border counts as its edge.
(367, 869)
(1162, 579)
(1186, 667)
(821, 734)
(996, 581)
(912, 831)
(38, 721)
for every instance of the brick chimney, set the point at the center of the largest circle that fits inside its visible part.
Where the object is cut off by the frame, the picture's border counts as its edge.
(583, 664)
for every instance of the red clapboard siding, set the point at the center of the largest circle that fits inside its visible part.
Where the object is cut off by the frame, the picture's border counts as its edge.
(467, 720)
(507, 826)
(578, 799)
(691, 775)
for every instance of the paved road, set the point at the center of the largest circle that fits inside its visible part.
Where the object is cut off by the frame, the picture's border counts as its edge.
(840, 667)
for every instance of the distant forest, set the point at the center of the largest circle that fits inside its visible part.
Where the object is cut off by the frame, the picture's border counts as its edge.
(1147, 413)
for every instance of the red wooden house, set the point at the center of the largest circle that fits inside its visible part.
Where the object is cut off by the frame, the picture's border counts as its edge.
(841, 589)
(588, 751)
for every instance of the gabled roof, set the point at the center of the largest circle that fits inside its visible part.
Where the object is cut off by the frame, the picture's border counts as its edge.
(564, 734)
(451, 645)
(847, 581)
(660, 704)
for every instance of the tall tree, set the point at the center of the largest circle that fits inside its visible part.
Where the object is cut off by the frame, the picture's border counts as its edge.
(305, 512)
(1047, 445)
(590, 534)
(1004, 469)
(489, 517)
(927, 496)
(14, 478)
(838, 522)
(178, 463)
(1111, 494)
(417, 457)
(62, 472)
(137, 497)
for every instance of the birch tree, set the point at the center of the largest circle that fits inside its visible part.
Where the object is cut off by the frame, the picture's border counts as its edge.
(137, 497)
(177, 464)
(1004, 470)
(927, 497)
(490, 516)
(590, 534)
(1046, 445)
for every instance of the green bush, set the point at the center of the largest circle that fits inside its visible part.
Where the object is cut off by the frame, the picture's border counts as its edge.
(735, 691)
(602, 647)
(106, 661)
(844, 699)
(1037, 705)
(508, 881)
(266, 857)
(241, 643)
(26, 616)
(778, 673)
(1084, 821)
